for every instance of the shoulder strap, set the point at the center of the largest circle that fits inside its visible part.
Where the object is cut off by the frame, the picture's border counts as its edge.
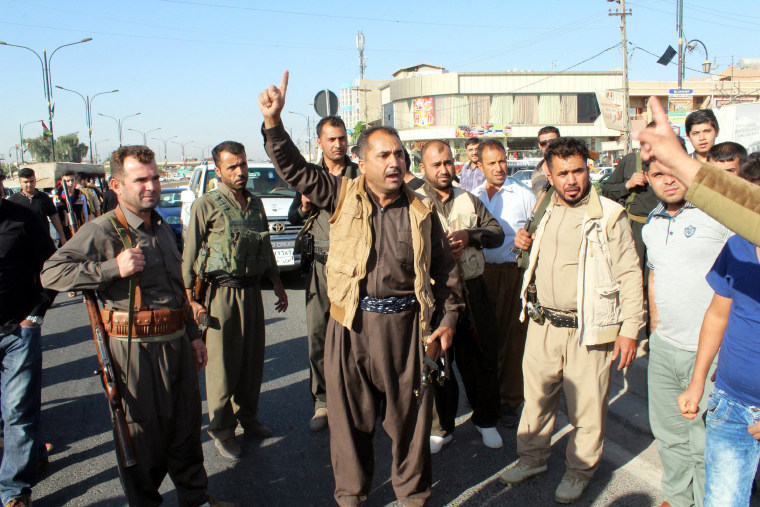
(135, 297)
(633, 193)
(613, 219)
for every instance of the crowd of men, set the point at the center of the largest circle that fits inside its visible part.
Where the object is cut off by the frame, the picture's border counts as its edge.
(529, 292)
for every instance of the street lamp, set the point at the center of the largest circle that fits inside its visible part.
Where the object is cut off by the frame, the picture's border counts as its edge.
(119, 122)
(691, 46)
(165, 141)
(88, 111)
(21, 135)
(47, 81)
(145, 134)
(183, 147)
(308, 129)
(96, 147)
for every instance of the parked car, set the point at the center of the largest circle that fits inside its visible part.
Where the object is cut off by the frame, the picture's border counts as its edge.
(523, 176)
(170, 208)
(600, 173)
(264, 182)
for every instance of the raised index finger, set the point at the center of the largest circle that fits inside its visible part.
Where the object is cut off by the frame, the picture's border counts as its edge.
(658, 113)
(284, 83)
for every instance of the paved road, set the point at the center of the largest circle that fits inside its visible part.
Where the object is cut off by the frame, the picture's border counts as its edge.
(293, 467)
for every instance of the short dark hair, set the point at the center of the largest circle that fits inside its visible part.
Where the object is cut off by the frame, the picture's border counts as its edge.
(407, 160)
(726, 152)
(363, 142)
(68, 172)
(548, 130)
(701, 116)
(233, 147)
(26, 172)
(355, 150)
(471, 140)
(489, 144)
(143, 154)
(333, 121)
(645, 164)
(81, 177)
(564, 148)
(435, 142)
(750, 168)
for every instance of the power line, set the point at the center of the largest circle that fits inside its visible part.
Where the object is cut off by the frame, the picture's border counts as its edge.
(338, 16)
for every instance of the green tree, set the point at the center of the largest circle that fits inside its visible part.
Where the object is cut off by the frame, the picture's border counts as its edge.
(357, 131)
(67, 148)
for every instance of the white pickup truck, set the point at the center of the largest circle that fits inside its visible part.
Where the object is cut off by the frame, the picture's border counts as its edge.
(264, 182)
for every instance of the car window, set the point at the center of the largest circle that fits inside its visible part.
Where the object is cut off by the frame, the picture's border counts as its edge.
(171, 199)
(261, 181)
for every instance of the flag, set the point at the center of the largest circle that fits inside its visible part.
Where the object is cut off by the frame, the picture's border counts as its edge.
(45, 131)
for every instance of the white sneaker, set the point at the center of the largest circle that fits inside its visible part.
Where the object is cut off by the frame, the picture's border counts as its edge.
(491, 437)
(437, 443)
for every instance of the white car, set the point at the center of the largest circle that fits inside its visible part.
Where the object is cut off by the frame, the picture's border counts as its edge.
(600, 173)
(275, 194)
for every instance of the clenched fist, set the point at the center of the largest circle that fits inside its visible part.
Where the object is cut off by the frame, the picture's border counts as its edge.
(272, 100)
(130, 261)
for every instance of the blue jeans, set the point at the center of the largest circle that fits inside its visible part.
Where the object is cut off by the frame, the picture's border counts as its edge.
(731, 453)
(20, 402)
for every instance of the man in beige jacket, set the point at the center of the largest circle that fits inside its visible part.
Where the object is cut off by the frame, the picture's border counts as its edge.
(583, 292)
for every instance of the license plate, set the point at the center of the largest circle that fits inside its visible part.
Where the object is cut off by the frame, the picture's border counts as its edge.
(284, 257)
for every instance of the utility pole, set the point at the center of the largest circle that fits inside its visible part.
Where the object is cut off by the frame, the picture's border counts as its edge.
(626, 89)
(681, 57)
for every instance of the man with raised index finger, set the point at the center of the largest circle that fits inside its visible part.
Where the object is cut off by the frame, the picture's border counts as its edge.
(390, 279)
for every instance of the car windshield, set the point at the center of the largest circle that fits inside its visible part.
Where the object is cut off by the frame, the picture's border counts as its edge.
(263, 181)
(170, 198)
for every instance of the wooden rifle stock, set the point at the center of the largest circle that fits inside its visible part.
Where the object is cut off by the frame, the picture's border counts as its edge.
(108, 378)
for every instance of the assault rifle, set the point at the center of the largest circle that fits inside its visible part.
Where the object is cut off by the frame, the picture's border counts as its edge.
(124, 446)
(69, 208)
(542, 201)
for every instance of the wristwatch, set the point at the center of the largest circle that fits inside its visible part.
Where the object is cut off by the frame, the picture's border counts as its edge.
(37, 321)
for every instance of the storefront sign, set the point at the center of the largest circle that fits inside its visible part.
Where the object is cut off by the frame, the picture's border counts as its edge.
(424, 112)
(483, 130)
(680, 104)
(612, 106)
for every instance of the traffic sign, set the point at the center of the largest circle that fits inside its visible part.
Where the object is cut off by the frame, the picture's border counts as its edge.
(325, 103)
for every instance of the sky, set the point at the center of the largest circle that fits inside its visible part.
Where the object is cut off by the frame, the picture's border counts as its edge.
(194, 68)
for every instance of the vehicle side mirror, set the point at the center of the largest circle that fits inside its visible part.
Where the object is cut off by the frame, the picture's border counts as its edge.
(187, 196)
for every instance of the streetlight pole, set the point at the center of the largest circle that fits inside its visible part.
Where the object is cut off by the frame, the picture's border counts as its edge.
(119, 122)
(96, 147)
(308, 129)
(21, 135)
(183, 148)
(145, 134)
(690, 46)
(679, 20)
(45, 62)
(165, 141)
(88, 111)
(626, 92)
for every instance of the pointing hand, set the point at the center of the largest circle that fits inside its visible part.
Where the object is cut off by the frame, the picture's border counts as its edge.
(272, 101)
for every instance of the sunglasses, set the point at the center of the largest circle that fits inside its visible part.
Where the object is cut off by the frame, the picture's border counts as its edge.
(545, 142)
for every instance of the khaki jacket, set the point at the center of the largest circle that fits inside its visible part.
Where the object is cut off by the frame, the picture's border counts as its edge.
(610, 294)
(350, 245)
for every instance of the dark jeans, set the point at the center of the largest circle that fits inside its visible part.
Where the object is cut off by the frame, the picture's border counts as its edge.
(21, 385)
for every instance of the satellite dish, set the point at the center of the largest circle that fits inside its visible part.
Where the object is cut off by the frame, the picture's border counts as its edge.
(326, 103)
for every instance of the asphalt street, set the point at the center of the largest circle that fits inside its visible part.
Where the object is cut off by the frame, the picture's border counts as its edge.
(293, 466)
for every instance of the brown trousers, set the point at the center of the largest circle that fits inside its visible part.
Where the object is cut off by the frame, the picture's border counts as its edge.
(554, 362)
(163, 410)
(317, 315)
(379, 360)
(504, 282)
(235, 343)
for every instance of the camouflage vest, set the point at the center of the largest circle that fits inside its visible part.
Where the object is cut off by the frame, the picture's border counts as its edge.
(243, 248)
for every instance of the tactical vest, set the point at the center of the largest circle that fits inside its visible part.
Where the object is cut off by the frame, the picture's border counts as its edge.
(243, 248)
(462, 217)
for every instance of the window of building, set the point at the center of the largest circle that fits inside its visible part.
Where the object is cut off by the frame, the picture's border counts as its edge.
(588, 108)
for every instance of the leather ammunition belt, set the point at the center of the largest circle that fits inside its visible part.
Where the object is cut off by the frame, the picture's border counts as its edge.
(561, 318)
(235, 282)
(165, 323)
(320, 257)
(393, 304)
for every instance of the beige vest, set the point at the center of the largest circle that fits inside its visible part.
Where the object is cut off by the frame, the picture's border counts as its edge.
(598, 290)
(462, 217)
(350, 245)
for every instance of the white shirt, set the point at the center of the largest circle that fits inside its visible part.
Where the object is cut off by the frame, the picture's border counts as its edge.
(511, 205)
